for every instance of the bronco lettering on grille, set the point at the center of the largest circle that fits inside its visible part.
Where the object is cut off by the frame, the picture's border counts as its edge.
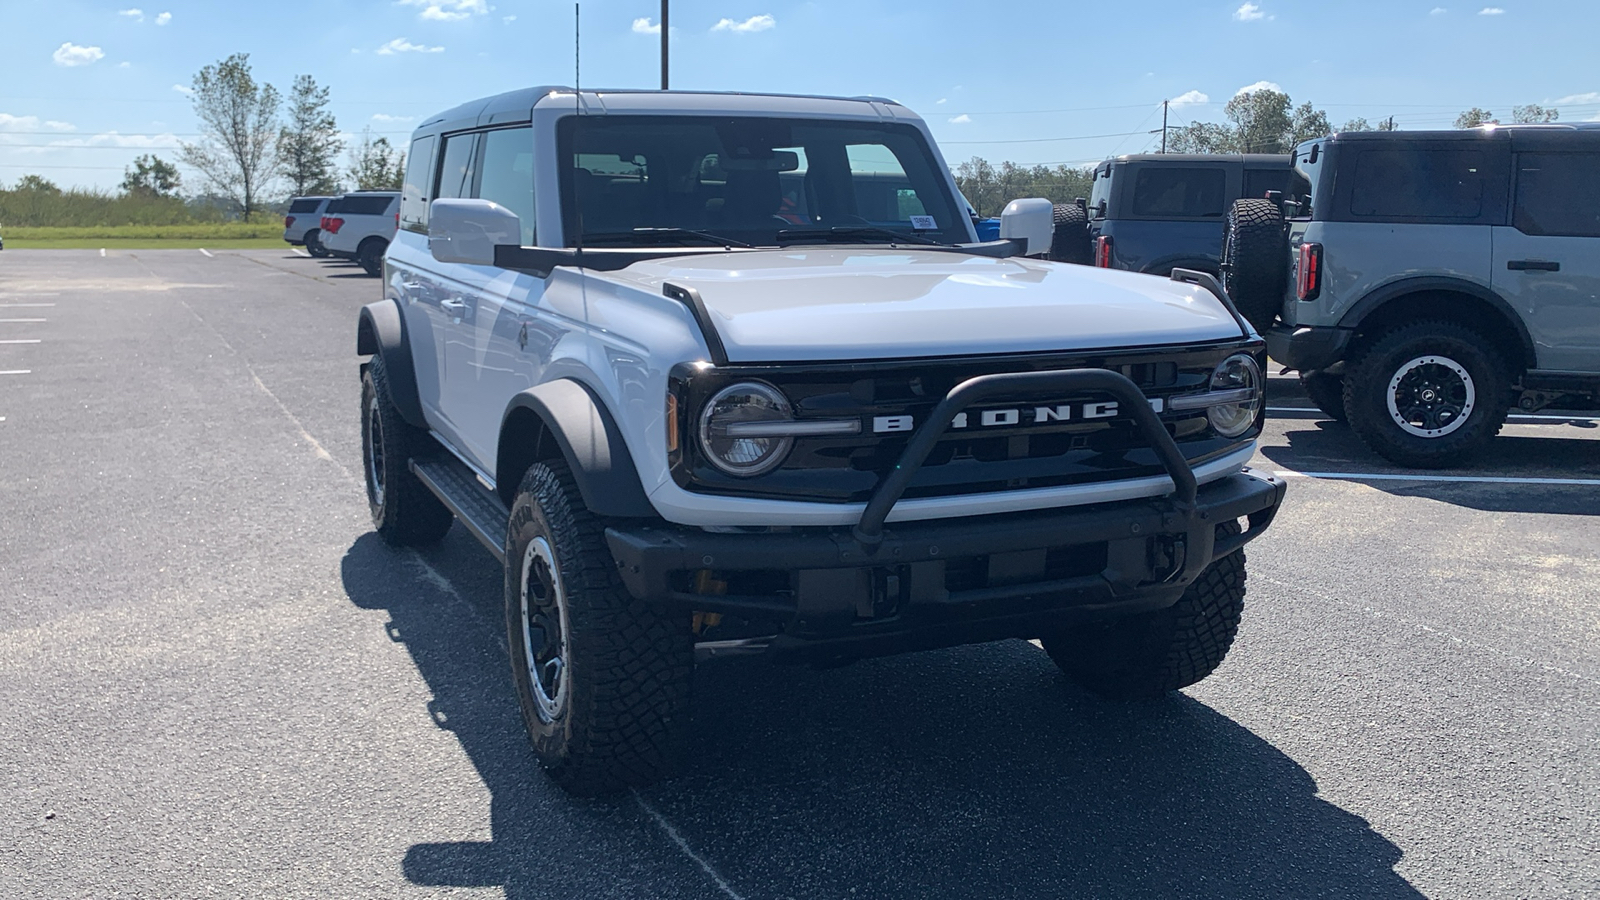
(1007, 418)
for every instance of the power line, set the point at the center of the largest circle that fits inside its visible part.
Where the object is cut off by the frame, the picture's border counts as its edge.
(1080, 137)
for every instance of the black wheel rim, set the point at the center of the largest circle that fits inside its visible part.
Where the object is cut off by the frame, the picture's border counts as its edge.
(544, 629)
(1431, 396)
(374, 453)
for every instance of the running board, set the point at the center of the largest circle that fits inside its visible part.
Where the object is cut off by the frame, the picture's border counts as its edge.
(479, 510)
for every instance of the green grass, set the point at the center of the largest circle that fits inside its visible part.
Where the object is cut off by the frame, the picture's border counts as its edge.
(145, 243)
(207, 231)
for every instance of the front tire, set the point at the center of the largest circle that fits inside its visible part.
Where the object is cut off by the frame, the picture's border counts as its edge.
(603, 679)
(1428, 395)
(314, 244)
(1151, 654)
(370, 256)
(404, 512)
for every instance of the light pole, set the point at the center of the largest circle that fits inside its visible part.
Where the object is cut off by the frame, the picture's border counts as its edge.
(664, 30)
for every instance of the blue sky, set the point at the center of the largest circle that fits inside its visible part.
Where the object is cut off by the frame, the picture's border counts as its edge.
(85, 86)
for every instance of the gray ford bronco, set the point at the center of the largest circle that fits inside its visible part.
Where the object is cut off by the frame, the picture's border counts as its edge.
(1426, 283)
(726, 374)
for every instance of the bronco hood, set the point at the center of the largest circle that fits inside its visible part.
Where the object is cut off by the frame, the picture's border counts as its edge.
(812, 305)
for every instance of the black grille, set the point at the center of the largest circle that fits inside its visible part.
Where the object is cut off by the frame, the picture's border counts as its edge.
(976, 459)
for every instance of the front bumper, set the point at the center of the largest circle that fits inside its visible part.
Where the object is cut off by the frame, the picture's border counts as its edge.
(944, 582)
(1306, 348)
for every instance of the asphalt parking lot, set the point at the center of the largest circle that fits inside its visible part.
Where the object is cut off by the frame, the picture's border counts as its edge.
(216, 681)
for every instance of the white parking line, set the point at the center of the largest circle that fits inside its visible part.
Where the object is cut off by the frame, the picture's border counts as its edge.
(1446, 479)
(24, 305)
(102, 252)
(16, 371)
(20, 341)
(205, 251)
(1520, 418)
(23, 320)
(300, 252)
(683, 845)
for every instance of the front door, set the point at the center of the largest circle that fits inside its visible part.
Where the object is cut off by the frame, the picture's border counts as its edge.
(1547, 263)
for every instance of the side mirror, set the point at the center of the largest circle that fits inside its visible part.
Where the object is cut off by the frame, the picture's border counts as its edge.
(467, 231)
(1031, 221)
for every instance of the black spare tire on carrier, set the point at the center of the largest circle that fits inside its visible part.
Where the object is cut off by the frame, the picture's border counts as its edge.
(1071, 244)
(1255, 260)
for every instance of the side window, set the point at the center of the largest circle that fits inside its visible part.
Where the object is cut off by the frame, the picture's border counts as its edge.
(1257, 182)
(1558, 194)
(1418, 184)
(414, 195)
(455, 169)
(507, 177)
(1179, 193)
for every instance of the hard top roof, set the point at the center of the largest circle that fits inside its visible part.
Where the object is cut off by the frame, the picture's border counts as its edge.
(1253, 158)
(1555, 134)
(517, 106)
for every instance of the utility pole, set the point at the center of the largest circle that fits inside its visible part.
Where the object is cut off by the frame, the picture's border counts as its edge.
(1163, 121)
(665, 29)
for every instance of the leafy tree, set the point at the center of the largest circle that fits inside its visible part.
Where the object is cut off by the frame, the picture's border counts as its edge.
(1533, 114)
(1360, 124)
(989, 188)
(1475, 117)
(1264, 121)
(376, 165)
(309, 142)
(36, 184)
(239, 122)
(151, 176)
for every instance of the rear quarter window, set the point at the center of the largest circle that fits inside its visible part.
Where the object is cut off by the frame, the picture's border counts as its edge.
(304, 205)
(1190, 193)
(366, 206)
(1419, 184)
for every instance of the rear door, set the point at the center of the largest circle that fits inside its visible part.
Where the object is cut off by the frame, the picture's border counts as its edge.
(1547, 261)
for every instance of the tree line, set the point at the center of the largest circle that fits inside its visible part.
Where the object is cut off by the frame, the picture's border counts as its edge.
(1262, 121)
(253, 153)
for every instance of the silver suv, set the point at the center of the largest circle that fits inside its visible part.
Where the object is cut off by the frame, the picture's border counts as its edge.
(730, 374)
(1428, 282)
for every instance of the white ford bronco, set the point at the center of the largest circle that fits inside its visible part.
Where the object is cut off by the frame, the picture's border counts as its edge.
(727, 374)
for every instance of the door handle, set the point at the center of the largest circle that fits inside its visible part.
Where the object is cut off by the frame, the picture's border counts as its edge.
(453, 307)
(411, 285)
(1533, 265)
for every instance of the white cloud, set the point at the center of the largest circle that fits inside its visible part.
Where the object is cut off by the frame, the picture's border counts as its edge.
(186, 91)
(1437, 11)
(643, 26)
(941, 101)
(32, 123)
(1249, 12)
(124, 65)
(448, 10)
(385, 117)
(1188, 98)
(135, 14)
(754, 23)
(1591, 97)
(1258, 86)
(164, 18)
(401, 45)
(70, 54)
(961, 119)
(508, 19)
(1491, 11)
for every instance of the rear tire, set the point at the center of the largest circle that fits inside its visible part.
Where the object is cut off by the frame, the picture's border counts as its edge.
(1326, 391)
(1151, 654)
(370, 255)
(1428, 395)
(1071, 241)
(603, 679)
(314, 244)
(1255, 260)
(404, 512)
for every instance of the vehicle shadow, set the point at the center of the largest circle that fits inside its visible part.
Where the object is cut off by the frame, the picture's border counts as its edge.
(1327, 446)
(975, 772)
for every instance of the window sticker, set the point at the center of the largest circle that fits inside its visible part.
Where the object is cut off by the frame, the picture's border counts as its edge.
(924, 223)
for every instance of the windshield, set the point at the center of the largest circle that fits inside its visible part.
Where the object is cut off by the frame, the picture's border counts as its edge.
(758, 181)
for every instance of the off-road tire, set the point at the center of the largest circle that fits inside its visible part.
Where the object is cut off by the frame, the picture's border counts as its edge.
(1071, 241)
(624, 720)
(404, 512)
(370, 255)
(1326, 391)
(1151, 654)
(1255, 260)
(1367, 382)
(314, 244)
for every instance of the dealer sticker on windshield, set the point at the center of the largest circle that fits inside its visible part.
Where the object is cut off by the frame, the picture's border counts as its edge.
(924, 223)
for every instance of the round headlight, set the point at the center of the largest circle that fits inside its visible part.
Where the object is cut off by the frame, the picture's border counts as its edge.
(1238, 372)
(747, 404)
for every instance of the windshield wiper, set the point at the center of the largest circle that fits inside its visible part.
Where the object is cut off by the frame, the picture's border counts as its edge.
(853, 232)
(663, 236)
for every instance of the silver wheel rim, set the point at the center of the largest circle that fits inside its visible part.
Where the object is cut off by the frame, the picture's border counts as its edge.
(544, 629)
(374, 452)
(1431, 396)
